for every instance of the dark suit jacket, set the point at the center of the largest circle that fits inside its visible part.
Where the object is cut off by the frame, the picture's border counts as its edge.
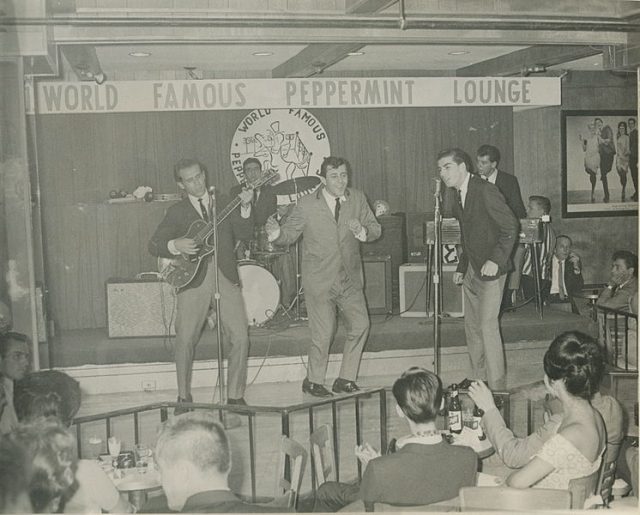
(633, 144)
(328, 245)
(176, 223)
(264, 207)
(573, 282)
(510, 189)
(488, 227)
(222, 501)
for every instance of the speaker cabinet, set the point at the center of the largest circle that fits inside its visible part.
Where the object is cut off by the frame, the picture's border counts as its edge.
(416, 236)
(139, 308)
(377, 283)
(413, 296)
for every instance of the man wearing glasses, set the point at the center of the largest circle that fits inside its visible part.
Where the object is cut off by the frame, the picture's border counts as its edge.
(15, 357)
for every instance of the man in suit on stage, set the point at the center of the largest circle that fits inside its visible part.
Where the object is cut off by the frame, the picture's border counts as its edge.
(565, 275)
(196, 299)
(487, 160)
(489, 231)
(333, 220)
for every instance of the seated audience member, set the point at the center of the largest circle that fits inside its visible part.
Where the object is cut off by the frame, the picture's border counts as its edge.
(54, 394)
(15, 474)
(194, 457)
(538, 207)
(565, 275)
(573, 367)
(623, 283)
(50, 448)
(14, 364)
(516, 452)
(425, 469)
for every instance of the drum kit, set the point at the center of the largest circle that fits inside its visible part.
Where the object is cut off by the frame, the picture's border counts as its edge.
(260, 288)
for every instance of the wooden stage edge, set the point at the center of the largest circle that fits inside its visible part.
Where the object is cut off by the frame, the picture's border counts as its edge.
(104, 365)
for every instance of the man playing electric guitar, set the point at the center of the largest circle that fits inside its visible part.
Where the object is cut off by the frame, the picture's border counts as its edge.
(196, 298)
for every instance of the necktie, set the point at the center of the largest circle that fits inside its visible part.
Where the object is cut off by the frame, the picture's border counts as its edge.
(336, 212)
(203, 210)
(459, 198)
(562, 292)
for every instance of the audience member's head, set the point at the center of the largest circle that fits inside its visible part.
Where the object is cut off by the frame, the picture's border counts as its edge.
(538, 206)
(574, 360)
(487, 159)
(193, 455)
(51, 450)
(15, 473)
(418, 393)
(15, 355)
(563, 247)
(624, 267)
(47, 393)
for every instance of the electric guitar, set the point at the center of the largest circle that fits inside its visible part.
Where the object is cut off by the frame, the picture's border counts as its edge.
(181, 270)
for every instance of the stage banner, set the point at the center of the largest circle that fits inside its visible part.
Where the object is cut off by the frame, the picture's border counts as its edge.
(203, 95)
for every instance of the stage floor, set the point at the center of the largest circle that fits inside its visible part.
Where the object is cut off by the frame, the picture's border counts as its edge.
(94, 347)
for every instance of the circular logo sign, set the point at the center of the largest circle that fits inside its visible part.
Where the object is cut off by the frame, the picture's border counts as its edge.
(290, 141)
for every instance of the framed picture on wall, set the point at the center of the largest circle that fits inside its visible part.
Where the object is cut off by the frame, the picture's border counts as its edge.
(599, 161)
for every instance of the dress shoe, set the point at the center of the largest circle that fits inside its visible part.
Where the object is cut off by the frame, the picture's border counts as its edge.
(315, 389)
(343, 386)
(179, 410)
(236, 402)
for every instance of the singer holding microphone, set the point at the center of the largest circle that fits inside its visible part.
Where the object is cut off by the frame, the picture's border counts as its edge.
(196, 298)
(489, 230)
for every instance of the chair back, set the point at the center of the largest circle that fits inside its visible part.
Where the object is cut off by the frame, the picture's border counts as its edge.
(324, 459)
(297, 455)
(605, 483)
(582, 488)
(490, 498)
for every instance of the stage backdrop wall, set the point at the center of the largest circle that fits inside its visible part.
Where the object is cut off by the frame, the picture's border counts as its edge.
(83, 157)
(537, 150)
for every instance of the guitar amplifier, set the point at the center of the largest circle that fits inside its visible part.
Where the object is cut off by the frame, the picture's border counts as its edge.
(413, 295)
(140, 308)
(530, 230)
(377, 283)
(450, 232)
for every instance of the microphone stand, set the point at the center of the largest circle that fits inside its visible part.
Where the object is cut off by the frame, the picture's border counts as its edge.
(437, 274)
(216, 296)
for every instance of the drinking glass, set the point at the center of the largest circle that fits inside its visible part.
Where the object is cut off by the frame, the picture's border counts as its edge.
(142, 454)
(114, 444)
(95, 447)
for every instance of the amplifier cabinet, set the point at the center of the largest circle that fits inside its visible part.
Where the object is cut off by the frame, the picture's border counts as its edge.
(377, 283)
(413, 295)
(139, 308)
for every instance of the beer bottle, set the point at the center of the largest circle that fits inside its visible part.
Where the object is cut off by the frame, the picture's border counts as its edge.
(477, 426)
(454, 411)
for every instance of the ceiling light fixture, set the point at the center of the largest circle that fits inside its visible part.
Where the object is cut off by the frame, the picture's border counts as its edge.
(139, 54)
(459, 52)
(262, 54)
(355, 53)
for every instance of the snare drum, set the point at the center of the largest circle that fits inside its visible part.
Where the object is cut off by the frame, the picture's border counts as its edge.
(260, 292)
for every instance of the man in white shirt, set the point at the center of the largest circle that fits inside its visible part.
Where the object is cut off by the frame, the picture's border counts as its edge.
(566, 274)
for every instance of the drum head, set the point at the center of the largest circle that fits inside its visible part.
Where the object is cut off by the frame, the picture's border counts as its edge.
(260, 291)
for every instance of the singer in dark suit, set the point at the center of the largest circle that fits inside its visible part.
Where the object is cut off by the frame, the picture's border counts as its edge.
(489, 231)
(197, 298)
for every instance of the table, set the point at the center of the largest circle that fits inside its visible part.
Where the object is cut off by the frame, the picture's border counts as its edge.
(468, 437)
(136, 485)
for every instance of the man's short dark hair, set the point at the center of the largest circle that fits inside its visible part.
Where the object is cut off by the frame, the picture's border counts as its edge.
(458, 155)
(541, 201)
(489, 150)
(418, 392)
(334, 162)
(632, 120)
(185, 163)
(250, 160)
(47, 393)
(629, 258)
(196, 437)
(6, 340)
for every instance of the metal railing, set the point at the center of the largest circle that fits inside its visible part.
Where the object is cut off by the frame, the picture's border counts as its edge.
(618, 333)
(251, 412)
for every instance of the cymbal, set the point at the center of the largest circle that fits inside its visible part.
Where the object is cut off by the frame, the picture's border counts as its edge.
(297, 186)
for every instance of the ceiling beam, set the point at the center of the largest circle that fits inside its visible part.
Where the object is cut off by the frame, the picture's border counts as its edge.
(314, 59)
(515, 62)
(368, 6)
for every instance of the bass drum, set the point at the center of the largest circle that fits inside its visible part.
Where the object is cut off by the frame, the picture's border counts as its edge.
(260, 291)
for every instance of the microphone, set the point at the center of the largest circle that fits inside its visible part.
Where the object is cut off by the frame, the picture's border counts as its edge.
(212, 194)
(438, 188)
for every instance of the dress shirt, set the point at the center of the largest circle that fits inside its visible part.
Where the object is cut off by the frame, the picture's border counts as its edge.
(9, 419)
(556, 276)
(463, 189)
(245, 212)
(492, 177)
